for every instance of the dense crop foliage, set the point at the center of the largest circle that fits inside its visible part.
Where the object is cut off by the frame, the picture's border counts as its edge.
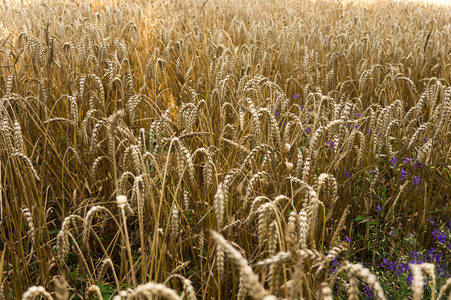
(224, 149)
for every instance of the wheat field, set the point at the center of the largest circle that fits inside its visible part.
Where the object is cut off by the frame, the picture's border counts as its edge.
(208, 149)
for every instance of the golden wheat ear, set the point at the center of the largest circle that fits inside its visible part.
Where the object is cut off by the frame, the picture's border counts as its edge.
(256, 289)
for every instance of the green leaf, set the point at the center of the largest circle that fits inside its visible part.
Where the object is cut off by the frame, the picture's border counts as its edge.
(448, 175)
(361, 218)
(106, 291)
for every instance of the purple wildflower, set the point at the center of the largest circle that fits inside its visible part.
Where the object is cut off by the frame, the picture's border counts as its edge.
(308, 130)
(407, 159)
(418, 165)
(425, 139)
(277, 113)
(442, 272)
(368, 294)
(437, 258)
(296, 96)
(416, 180)
(439, 236)
(334, 261)
(378, 208)
(403, 268)
(347, 239)
(393, 161)
(392, 266)
(414, 255)
(403, 174)
(358, 115)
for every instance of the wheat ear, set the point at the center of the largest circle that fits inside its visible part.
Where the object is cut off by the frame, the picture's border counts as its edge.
(36, 291)
(93, 291)
(187, 285)
(29, 219)
(418, 279)
(151, 289)
(251, 279)
(219, 202)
